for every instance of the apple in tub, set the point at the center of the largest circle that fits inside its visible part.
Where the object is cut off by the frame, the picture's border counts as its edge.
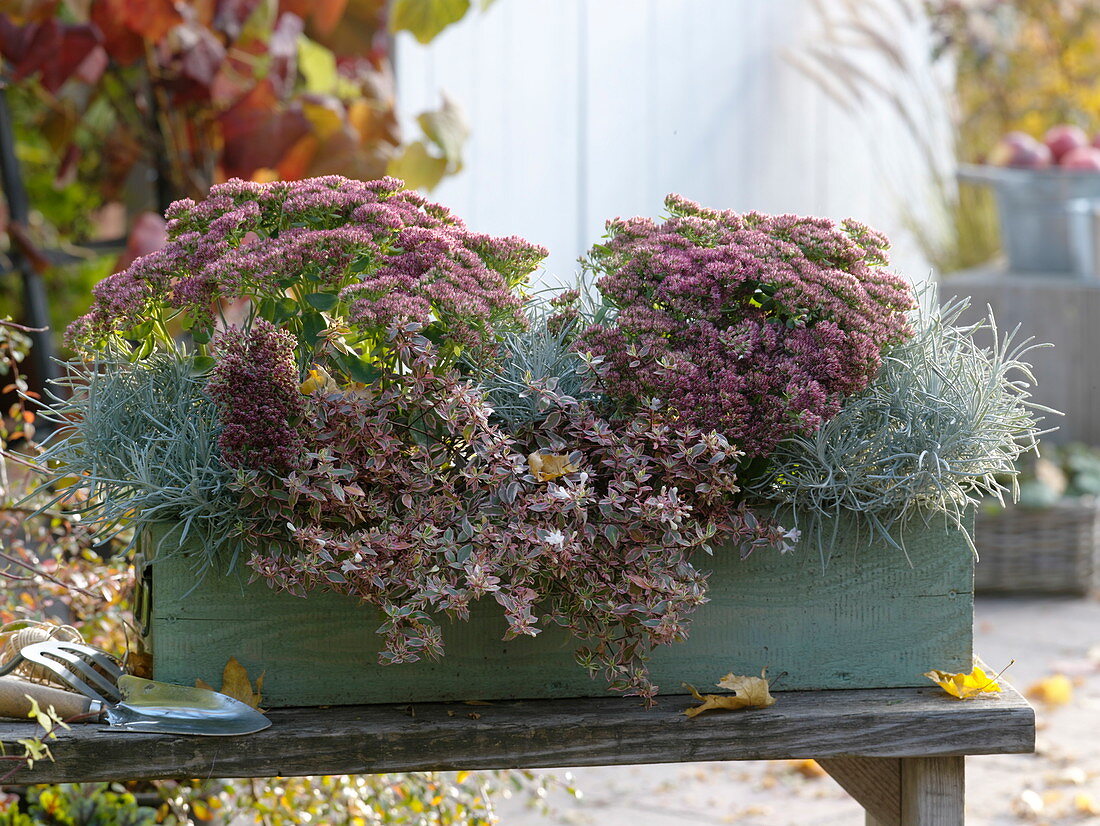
(1083, 158)
(1063, 139)
(1020, 150)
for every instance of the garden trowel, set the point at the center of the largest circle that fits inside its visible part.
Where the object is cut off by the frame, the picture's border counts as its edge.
(125, 702)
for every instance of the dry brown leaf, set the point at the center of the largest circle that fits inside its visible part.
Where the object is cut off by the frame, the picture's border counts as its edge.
(1055, 690)
(140, 664)
(549, 466)
(754, 690)
(749, 692)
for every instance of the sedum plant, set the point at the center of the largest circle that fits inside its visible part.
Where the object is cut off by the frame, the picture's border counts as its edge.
(334, 262)
(756, 325)
(939, 429)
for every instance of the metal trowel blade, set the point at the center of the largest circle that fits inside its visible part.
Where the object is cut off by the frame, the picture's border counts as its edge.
(162, 708)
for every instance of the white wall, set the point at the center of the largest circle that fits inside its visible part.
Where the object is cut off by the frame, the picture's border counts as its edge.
(582, 110)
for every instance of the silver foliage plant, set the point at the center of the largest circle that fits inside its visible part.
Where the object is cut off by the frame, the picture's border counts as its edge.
(937, 432)
(540, 358)
(145, 451)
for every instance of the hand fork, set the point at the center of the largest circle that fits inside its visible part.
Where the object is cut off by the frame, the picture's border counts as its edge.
(80, 667)
(132, 703)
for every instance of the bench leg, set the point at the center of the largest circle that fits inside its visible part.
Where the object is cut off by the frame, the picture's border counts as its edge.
(912, 791)
(933, 791)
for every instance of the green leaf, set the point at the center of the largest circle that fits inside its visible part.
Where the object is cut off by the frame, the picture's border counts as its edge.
(283, 310)
(426, 18)
(447, 129)
(322, 301)
(313, 324)
(318, 67)
(143, 329)
(418, 168)
(201, 365)
(359, 371)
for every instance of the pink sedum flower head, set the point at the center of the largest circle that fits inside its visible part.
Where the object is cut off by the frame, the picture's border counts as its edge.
(756, 326)
(371, 252)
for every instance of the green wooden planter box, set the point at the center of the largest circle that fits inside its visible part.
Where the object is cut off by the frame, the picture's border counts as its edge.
(869, 620)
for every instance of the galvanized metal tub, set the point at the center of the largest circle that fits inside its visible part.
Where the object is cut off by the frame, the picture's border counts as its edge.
(1033, 214)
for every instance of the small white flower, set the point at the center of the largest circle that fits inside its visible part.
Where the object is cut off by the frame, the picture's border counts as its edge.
(554, 537)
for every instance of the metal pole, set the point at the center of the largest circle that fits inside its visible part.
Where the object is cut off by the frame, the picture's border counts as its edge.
(43, 356)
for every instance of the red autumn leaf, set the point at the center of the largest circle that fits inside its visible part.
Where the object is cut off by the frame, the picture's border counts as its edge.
(120, 151)
(66, 170)
(295, 164)
(152, 19)
(93, 66)
(202, 55)
(123, 45)
(258, 130)
(341, 153)
(201, 12)
(53, 51)
(323, 15)
(77, 43)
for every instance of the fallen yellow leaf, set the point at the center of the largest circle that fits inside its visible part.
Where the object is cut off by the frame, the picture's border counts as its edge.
(1086, 804)
(965, 686)
(1055, 690)
(807, 768)
(235, 684)
(748, 692)
(549, 466)
(318, 379)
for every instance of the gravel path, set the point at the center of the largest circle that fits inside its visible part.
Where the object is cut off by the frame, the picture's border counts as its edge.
(1060, 784)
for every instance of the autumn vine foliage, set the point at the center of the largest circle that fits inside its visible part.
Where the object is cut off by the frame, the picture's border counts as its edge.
(190, 92)
(368, 403)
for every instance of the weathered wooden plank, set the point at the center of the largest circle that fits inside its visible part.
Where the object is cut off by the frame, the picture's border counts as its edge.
(868, 619)
(874, 782)
(933, 791)
(551, 733)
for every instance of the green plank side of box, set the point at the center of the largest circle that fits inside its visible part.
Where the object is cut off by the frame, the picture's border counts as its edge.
(870, 619)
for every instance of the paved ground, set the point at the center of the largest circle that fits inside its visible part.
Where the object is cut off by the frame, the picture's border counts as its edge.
(1058, 785)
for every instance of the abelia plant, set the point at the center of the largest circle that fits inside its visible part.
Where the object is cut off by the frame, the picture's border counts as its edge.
(757, 326)
(335, 262)
(409, 498)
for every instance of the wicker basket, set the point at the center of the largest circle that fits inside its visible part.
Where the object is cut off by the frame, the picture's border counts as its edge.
(1053, 550)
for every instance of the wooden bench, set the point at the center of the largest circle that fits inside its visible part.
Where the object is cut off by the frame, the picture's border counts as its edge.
(898, 752)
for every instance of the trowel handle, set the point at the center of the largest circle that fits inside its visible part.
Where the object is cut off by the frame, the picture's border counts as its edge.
(14, 702)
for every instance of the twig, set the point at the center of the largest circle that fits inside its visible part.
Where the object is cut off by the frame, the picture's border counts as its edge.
(21, 327)
(39, 572)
